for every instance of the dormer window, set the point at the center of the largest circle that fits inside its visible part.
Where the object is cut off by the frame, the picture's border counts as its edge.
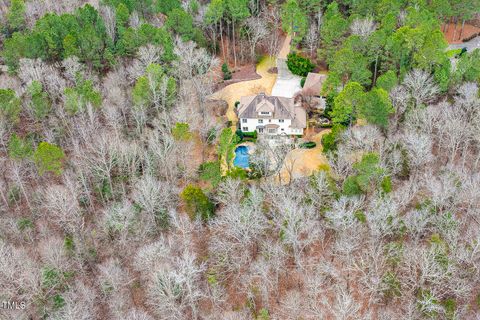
(264, 113)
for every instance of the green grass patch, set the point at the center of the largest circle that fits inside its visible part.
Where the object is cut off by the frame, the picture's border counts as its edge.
(453, 53)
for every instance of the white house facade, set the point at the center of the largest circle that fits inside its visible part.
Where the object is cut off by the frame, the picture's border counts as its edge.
(271, 115)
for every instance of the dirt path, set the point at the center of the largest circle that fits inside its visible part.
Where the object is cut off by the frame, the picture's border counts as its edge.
(303, 162)
(233, 92)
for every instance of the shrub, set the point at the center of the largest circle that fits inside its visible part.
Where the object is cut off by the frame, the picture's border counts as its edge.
(19, 148)
(13, 194)
(308, 145)
(197, 203)
(263, 314)
(237, 173)
(392, 285)
(299, 65)
(227, 74)
(453, 53)
(24, 223)
(302, 82)
(329, 141)
(181, 131)
(236, 104)
(387, 184)
(212, 134)
(69, 244)
(252, 135)
(450, 306)
(240, 134)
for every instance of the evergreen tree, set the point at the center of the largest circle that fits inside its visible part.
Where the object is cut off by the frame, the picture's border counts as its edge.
(294, 20)
(49, 158)
(16, 16)
(10, 105)
(197, 203)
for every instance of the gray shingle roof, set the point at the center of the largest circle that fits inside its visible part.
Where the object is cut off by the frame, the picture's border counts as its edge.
(283, 108)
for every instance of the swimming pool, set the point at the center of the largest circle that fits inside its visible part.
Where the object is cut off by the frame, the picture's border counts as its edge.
(241, 157)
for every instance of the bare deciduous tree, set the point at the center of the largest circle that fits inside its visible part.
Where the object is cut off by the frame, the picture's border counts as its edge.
(421, 86)
(363, 27)
(256, 32)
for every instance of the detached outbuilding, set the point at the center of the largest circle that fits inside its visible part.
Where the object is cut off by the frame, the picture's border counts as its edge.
(312, 89)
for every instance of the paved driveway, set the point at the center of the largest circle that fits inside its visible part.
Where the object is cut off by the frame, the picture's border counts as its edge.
(470, 45)
(287, 84)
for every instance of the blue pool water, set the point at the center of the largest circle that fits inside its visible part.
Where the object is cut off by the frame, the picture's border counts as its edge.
(241, 157)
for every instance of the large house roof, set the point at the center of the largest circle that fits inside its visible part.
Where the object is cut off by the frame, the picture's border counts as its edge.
(280, 108)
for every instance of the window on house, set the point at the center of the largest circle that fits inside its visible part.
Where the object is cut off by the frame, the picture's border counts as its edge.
(272, 130)
(260, 120)
(281, 120)
(244, 120)
(260, 130)
(245, 128)
(283, 129)
(265, 112)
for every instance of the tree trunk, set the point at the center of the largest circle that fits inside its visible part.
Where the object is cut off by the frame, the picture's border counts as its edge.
(221, 39)
(375, 73)
(234, 49)
(448, 24)
(461, 30)
(228, 37)
(215, 39)
(455, 29)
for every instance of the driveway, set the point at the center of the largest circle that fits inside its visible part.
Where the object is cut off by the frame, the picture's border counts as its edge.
(470, 45)
(287, 84)
(233, 92)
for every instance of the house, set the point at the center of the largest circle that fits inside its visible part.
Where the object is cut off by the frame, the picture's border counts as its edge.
(271, 115)
(312, 88)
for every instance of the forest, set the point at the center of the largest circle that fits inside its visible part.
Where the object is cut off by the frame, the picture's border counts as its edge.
(118, 194)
